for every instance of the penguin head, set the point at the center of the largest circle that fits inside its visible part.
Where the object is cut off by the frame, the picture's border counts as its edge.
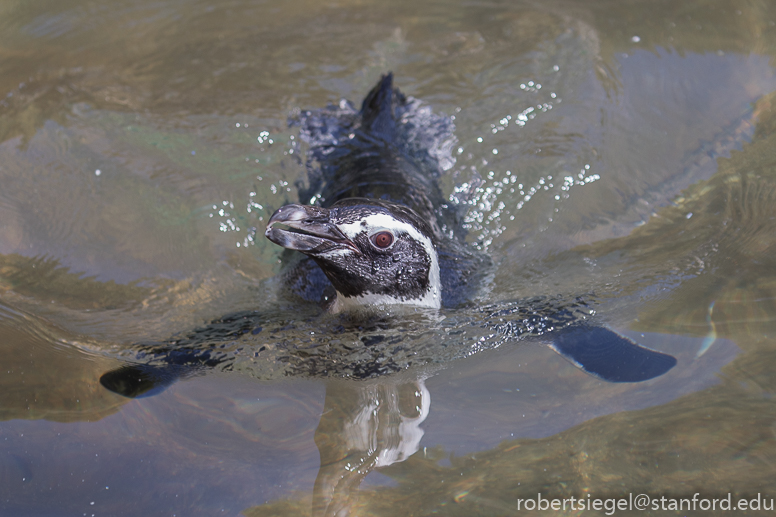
(374, 252)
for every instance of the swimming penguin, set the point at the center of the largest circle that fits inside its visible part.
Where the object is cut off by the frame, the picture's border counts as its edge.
(380, 236)
(381, 231)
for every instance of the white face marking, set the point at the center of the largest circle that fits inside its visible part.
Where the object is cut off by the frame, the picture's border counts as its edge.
(337, 252)
(377, 222)
(344, 303)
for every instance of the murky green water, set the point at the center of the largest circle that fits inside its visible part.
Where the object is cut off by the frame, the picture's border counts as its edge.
(625, 149)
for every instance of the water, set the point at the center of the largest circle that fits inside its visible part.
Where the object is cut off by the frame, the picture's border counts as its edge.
(143, 146)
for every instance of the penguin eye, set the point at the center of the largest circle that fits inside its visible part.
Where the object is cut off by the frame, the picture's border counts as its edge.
(382, 239)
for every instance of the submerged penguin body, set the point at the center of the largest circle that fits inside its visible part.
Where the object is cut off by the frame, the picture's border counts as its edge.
(379, 234)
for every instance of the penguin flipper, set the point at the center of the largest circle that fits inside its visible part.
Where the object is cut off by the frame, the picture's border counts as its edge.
(609, 355)
(140, 380)
(180, 357)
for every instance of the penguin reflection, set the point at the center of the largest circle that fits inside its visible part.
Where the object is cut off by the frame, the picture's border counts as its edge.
(364, 426)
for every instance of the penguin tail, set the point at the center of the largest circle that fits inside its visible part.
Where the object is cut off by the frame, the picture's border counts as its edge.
(378, 111)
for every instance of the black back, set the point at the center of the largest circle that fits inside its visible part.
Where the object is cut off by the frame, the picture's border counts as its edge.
(391, 149)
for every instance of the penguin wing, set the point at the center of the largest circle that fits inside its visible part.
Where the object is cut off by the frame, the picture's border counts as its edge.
(610, 356)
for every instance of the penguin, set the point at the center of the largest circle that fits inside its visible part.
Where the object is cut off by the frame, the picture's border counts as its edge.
(394, 237)
(395, 246)
(379, 235)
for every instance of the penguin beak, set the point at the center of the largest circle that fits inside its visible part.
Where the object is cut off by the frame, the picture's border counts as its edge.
(307, 229)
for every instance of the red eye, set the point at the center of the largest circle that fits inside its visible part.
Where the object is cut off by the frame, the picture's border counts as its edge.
(382, 239)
